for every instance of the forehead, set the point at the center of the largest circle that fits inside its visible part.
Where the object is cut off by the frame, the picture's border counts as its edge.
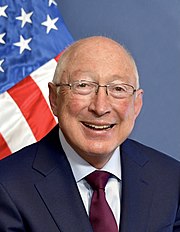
(103, 57)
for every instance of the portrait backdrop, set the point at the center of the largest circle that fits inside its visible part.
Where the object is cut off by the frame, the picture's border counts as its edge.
(150, 30)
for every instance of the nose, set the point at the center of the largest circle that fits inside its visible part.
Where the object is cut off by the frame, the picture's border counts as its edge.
(100, 102)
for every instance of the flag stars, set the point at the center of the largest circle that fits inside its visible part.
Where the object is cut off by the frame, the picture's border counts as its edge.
(25, 17)
(1, 69)
(52, 2)
(50, 24)
(2, 11)
(23, 44)
(1, 38)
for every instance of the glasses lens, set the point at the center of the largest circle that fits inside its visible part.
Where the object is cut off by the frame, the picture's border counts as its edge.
(120, 90)
(83, 87)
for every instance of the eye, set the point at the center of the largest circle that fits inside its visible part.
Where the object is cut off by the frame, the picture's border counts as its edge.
(119, 88)
(83, 85)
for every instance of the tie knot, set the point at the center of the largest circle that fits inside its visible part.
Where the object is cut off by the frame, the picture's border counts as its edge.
(98, 179)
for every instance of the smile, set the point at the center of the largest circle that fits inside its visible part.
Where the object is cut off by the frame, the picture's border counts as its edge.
(98, 127)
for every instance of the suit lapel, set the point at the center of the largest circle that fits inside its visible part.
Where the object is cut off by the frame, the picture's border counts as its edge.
(58, 188)
(137, 189)
(60, 194)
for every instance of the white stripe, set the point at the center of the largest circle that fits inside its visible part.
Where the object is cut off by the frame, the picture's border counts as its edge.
(43, 75)
(13, 125)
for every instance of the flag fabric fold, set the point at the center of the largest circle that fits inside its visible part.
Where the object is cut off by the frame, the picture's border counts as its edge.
(32, 35)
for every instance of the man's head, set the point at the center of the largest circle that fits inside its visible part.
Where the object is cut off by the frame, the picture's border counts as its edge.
(96, 119)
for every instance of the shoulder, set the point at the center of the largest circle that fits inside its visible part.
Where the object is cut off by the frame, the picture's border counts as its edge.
(145, 154)
(20, 163)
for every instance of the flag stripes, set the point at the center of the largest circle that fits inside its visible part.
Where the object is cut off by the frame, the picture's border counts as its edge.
(26, 108)
(14, 128)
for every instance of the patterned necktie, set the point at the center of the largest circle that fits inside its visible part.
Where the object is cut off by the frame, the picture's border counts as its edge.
(100, 215)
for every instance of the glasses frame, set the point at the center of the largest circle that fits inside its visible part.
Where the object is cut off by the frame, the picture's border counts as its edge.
(71, 86)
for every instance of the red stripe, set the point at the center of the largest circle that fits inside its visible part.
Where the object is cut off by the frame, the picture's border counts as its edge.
(5, 151)
(58, 56)
(33, 106)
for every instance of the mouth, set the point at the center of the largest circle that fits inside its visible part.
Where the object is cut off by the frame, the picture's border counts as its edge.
(98, 127)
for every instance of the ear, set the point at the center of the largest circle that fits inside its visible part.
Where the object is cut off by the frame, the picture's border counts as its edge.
(138, 102)
(53, 97)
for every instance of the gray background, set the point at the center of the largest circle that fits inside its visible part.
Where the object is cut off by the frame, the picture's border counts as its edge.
(150, 30)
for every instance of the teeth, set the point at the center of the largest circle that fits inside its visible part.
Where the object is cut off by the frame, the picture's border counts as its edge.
(104, 127)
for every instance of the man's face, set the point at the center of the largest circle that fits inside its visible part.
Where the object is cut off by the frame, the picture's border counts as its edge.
(95, 124)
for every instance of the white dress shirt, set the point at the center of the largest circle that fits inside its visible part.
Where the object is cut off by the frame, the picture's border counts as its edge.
(82, 168)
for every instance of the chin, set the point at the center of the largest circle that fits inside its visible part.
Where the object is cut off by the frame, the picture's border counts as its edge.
(99, 150)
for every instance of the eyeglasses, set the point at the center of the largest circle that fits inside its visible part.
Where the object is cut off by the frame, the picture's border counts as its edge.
(83, 87)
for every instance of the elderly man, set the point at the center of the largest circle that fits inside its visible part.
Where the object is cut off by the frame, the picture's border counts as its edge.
(86, 175)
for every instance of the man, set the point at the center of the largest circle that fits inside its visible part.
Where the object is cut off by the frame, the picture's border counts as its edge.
(96, 97)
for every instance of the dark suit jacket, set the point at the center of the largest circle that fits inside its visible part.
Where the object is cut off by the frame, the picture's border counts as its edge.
(38, 192)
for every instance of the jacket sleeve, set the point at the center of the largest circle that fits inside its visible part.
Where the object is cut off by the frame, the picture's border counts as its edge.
(10, 218)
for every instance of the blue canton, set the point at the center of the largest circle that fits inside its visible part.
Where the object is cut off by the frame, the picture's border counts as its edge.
(31, 33)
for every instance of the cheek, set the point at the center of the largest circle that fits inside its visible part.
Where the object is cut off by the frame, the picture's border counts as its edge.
(129, 111)
(70, 107)
(125, 110)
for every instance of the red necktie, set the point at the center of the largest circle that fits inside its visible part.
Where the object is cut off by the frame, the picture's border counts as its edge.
(100, 215)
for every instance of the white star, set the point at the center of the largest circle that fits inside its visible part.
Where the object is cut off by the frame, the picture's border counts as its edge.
(50, 24)
(52, 2)
(1, 69)
(23, 44)
(25, 17)
(2, 10)
(1, 38)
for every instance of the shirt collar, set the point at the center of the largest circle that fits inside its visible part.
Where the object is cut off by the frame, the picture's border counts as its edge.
(82, 168)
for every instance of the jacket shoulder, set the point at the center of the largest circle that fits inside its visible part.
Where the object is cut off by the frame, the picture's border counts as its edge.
(141, 152)
(21, 162)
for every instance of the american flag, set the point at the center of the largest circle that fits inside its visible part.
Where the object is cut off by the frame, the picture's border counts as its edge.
(32, 37)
